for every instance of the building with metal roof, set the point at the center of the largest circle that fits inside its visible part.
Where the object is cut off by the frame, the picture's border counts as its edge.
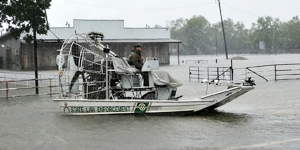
(120, 39)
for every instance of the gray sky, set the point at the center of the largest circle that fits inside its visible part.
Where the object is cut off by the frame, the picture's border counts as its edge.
(138, 13)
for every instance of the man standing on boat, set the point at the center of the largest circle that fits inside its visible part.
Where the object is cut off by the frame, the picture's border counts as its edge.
(136, 59)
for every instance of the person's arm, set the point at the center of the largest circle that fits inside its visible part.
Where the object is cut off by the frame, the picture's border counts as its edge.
(136, 61)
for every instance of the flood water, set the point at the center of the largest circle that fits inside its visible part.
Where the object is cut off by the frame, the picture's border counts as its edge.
(267, 117)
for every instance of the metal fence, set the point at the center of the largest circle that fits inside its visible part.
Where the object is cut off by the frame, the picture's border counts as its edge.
(209, 73)
(274, 72)
(17, 88)
(18, 84)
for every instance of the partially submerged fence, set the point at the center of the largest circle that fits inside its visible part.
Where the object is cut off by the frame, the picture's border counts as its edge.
(26, 87)
(276, 72)
(196, 61)
(273, 72)
(209, 73)
(18, 84)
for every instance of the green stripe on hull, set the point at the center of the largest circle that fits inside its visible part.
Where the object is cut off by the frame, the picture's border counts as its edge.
(141, 107)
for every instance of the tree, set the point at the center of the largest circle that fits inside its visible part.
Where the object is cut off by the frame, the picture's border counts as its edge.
(236, 36)
(194, 34)
(291, 33)
(269, 30)
(157, 26)
(197, 35)
(263, 30)
(21, 15)
(176, 29)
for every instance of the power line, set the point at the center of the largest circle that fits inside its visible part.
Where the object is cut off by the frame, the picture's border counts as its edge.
(249, 12)
(109, 7)
(240, 10)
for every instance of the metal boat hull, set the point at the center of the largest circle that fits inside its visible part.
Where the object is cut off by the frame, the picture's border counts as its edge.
(135, 106)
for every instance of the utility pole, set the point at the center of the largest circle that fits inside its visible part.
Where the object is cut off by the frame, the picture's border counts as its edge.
(35, 54)
(273, 49)
(223, 30)
(216, 38)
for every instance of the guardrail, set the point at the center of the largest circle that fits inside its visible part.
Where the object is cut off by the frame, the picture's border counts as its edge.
(267, 73)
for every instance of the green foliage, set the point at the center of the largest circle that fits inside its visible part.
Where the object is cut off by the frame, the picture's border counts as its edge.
(193, 33)
(291, 34)
(157, 26)
(20, 15)
(196, 30)
(198, 36)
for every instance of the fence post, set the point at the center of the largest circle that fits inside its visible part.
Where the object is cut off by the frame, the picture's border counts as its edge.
(190, 73)
(50, 89)
(6, 89)
(208, 73)
(40, 81)
(198, 74)
(231, 71)
(27, 81)
(15, 78)
(218, 78)
(275, 72)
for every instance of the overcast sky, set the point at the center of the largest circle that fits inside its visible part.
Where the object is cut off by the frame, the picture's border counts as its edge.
(139, 13)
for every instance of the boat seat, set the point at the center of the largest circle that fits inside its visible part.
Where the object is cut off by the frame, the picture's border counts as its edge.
(162, 78)
(122, 67)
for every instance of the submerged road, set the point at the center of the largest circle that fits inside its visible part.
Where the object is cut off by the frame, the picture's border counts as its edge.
(267, 117)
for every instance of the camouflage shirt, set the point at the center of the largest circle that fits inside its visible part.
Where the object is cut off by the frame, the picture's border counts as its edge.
(135, 59)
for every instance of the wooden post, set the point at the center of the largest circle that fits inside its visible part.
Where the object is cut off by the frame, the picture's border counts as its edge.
(198, 74)
(6, 89)
(231, 71)
(275, 72)
(208, 73)
(218, 78)
(178, 53)
(50, 89)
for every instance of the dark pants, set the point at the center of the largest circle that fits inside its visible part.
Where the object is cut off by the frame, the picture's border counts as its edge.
(146, 78)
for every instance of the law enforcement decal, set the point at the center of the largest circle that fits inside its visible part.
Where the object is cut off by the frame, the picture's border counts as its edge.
(141, 107)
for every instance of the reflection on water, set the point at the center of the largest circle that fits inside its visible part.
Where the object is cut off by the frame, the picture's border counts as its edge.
(214, 115)
(223, 116)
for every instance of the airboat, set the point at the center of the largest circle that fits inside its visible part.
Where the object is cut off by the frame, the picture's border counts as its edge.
(94, 80)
